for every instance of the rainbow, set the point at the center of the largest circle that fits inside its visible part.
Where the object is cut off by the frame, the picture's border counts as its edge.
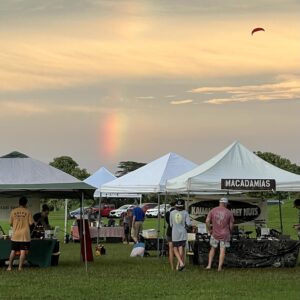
(112, 134)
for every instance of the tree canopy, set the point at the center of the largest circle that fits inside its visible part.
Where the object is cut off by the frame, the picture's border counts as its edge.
(68, 165)
(278, 161)
(282, 163)
(127, 167)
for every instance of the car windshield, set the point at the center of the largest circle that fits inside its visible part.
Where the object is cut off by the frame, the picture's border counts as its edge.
(124, 206)
(162, 206)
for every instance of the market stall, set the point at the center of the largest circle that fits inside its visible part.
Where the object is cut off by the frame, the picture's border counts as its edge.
(151, 179)
(21, 175)
(238, 170)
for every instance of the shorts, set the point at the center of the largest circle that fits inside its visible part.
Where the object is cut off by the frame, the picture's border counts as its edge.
(168, 239)
(179, 244)
(18, 246)
(214, 243)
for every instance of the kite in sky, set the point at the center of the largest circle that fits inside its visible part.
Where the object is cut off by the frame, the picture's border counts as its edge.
(257, 29)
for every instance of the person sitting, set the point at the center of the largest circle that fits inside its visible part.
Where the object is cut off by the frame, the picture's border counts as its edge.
(111, 222)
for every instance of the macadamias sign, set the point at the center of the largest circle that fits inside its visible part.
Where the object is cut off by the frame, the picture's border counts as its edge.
(249, 184)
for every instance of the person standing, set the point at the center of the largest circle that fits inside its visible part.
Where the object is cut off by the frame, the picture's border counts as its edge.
(222, 221)
(41, 218)
(138, 217)
(297, 226)
(20, 220)
(169, 235)
(179, 219)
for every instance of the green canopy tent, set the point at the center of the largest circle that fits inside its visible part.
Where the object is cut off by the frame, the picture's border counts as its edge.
(21, 175)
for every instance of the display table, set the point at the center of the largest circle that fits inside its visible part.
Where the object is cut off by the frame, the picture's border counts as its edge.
(40, 252)
(251, 253)
(111, 234)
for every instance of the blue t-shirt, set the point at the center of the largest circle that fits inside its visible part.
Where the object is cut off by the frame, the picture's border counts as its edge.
(138, 213)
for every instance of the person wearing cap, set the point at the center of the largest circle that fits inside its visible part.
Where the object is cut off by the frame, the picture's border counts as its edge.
(219, 223)
(179, 219)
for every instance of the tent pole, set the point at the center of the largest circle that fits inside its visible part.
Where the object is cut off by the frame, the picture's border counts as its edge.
(164, 228)
(66, 221)
(280, 213)
(84, 233)
(99, 219)
(158, 223)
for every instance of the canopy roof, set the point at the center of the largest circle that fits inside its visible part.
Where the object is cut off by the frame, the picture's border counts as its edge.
(20, 174)
(236, 161)
(150, 178)
(100, 177)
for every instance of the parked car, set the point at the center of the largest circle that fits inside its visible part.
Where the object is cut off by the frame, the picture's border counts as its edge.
(116, 213)
(106, 208)
(75, 214)
(153, 212)
(146, 206)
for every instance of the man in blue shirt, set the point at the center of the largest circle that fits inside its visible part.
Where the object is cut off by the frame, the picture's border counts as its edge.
(137, 222)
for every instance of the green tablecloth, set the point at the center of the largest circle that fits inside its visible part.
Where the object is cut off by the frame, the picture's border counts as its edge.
(40, 252)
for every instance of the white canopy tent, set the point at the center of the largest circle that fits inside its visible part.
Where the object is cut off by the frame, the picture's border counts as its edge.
(102, 176)
(238, 165)
(98, 178)
(151, 178)
(235, 162)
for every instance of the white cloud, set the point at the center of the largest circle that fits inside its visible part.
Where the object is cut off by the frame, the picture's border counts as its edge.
(17, 108)
(170, 96)
(286, 88)
(30, 107)
(180, 102)
(145, 97)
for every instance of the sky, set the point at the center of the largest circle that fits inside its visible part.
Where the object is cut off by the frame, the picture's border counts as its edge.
(107, 81)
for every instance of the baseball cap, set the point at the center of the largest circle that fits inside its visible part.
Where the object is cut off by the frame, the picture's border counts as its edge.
(223, 200)
(179, 203)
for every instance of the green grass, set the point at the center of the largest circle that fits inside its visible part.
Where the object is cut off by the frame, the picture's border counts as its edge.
(117, 276)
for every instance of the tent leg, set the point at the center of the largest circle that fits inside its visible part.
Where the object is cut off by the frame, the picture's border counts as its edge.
(83, 230)
(280, 214)
(99, 219)
(66, 237)
(164, 230)
(158, 223)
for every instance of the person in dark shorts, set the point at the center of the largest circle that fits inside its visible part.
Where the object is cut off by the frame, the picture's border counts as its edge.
(20, 220)
(169, 236)
(179, 219)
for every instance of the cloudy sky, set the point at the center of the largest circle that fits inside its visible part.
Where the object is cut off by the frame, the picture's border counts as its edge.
(104, 81)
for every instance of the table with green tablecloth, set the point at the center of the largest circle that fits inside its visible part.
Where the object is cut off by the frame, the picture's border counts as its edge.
(40, 252)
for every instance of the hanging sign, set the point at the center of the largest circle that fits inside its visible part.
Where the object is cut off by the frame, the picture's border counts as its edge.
(243, 211)
(249, 184)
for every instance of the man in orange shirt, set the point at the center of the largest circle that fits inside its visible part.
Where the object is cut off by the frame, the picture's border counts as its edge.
(20, 220)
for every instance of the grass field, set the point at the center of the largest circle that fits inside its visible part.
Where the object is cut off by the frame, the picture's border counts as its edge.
(116, 276)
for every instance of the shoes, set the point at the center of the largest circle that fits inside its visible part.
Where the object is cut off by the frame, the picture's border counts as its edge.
(181, 268)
